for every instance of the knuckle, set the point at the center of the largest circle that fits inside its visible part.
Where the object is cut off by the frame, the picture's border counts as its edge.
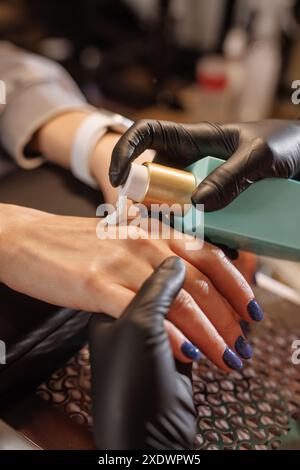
(230, 326)
(261, 156)
(157, 248)
(138, 239)
(258, 143)
(90, 278)
(243, 286)
(134, 236)
(140, 123)
(204, 288)
(217, 255)
(183, 301)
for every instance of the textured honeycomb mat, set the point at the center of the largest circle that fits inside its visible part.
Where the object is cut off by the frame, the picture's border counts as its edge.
(246, 410)
(250, 409)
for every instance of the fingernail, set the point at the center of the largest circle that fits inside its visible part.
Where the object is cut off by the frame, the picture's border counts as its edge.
(245, 327)
(232, 360)
(255, 311)
(243, 348)
(190, 351)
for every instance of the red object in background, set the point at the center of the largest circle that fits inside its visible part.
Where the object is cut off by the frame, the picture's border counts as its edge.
(211, 73)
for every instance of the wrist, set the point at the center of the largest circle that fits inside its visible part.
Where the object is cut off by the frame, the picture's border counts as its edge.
(100, 162)
(55, 141)
(2, 228)
(6, 236)
(15, 221)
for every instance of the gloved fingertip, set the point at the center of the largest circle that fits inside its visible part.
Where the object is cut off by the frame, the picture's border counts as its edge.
(173, 263)
(171, 271)
(205, 195)
(114, 179)
(117, 175)
(160, 289)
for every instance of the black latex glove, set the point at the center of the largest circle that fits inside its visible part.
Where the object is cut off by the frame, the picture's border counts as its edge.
(253, 151)
(140, 400)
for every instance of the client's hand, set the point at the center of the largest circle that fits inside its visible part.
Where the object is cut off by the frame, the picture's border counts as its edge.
(254, 151)
(139, 399)
(60, 260)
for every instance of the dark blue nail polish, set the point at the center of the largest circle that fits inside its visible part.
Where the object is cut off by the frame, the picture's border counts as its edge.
(190, 351)
(232, 360)
(243, 348)
(245, 327)
(255, 310)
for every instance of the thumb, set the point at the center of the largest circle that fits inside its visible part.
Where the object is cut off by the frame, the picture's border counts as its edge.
(156, 295)
(230, 179)
(131, 144)
(142, 135)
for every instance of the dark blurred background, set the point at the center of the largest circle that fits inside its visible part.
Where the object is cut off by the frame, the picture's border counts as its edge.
(177, 59)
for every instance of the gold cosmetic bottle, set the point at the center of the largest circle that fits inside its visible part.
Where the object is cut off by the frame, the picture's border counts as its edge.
(151, 183)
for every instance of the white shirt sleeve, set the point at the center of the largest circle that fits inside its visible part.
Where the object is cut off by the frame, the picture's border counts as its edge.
(37, 89)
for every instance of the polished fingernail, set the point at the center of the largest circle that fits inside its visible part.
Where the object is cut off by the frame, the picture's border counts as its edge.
(245, 327)
(190, 351)
(243, 348)
(232, 360)
(255, 311)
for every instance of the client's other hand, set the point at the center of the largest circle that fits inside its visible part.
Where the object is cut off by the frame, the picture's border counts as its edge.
(140, 400)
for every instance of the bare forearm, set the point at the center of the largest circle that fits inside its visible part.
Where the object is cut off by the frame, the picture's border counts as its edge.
(55, 139)
(9, 223)
(2, 230)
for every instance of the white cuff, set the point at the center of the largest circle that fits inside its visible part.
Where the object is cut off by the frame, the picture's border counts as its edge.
(87, 135)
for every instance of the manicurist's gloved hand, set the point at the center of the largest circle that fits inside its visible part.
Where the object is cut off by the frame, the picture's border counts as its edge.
(140, 400)
(254, 151)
